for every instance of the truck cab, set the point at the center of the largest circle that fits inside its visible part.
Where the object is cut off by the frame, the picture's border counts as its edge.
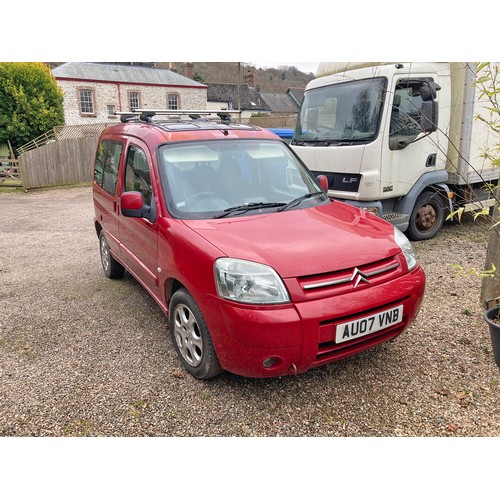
(381, 132)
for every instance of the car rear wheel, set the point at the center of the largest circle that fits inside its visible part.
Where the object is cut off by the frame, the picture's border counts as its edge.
(112, 269)
(191, 337)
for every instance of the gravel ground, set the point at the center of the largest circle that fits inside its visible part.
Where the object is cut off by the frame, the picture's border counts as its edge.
(81, 355)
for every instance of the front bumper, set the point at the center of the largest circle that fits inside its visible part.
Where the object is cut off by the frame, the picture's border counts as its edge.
(301, 335)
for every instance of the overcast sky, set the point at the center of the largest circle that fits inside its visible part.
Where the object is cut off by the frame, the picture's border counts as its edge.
(349, 33)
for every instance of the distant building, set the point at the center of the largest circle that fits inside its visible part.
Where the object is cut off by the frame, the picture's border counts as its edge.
(287, 103)
(93, 92)
(297, 94)
(244, 97)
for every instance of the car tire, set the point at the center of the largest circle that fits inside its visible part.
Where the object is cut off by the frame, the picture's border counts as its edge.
(191, 337)
(112, 268)
(427, 217)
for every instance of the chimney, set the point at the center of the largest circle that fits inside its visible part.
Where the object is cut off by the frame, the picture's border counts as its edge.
(188, 70)
(165, 65)
(249, 78)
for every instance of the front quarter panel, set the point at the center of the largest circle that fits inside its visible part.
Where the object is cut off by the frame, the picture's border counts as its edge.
(187, 258)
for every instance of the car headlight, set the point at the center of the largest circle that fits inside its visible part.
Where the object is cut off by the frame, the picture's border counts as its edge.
(407, 249)
(249, 282)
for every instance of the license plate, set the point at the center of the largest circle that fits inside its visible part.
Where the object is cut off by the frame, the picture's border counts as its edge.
(369, 324)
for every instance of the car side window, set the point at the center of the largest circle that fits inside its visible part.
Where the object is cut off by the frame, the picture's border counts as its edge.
(137, 176)
(106, 165)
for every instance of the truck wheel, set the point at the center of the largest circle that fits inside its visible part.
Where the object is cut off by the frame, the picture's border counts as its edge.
(112, 269)
(427, 217)
(191, 337)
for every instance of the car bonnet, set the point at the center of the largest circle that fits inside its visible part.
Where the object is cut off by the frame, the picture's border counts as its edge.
(302, 242)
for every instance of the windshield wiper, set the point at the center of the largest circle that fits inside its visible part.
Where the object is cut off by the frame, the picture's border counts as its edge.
(329, 142)
(322, 142)
(298, 200)
(304, 141)
(248, 206)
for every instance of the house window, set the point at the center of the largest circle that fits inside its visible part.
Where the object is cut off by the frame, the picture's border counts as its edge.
(134, 100)
(111, 110)
(86, 102)
(173, 101)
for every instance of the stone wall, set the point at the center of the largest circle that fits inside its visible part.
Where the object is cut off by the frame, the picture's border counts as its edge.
(117, 95)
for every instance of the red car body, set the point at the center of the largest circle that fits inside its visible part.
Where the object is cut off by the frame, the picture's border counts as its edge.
(341, 268)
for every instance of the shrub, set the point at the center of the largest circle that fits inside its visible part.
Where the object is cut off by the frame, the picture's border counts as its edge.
(31, 103)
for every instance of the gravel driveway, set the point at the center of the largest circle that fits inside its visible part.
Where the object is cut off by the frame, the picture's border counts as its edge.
(81, 355)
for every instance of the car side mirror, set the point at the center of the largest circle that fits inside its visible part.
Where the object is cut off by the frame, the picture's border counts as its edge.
(323, 182)
(132, 205)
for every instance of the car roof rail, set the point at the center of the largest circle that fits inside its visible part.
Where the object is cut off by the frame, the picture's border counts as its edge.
(127, 117)
(146, 115)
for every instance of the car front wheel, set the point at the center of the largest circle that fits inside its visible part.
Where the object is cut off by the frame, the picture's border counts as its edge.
(191, 337)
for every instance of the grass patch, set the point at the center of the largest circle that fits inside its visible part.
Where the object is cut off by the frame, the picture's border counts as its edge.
(60, 186)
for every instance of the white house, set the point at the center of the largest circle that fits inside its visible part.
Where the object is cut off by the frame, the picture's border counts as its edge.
(93, 92)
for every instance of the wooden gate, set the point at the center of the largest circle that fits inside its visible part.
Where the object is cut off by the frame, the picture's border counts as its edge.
(9, 167)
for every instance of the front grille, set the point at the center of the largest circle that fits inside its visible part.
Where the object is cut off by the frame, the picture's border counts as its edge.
(350, 279)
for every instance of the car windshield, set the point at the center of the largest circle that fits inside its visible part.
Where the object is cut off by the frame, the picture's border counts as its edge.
(342, 113)
(233, 177)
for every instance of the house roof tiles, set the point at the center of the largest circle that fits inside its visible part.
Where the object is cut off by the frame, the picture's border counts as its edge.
(123, 74)
(297, 94)
(248, 97)
(280, 103)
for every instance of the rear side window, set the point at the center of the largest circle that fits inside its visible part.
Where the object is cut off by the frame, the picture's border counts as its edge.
(137, 176)
(106, 165)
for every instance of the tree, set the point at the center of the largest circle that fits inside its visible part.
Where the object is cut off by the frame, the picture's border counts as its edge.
(489, 87)
(198, 77)
(31, 103)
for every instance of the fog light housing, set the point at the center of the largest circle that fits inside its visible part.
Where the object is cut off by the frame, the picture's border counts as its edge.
(372, 210)
(269, 362)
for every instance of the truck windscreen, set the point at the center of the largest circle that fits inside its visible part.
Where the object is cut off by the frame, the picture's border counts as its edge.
(341, 113)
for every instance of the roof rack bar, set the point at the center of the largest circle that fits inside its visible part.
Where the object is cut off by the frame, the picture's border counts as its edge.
(147, 114)
(178, 111)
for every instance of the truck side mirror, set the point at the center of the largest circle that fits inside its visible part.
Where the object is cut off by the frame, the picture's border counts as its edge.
(428, 91)
(429, 116)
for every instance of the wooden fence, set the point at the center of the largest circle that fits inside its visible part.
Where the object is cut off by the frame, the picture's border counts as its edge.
(272, 121)
(70, 161)
(69, 158)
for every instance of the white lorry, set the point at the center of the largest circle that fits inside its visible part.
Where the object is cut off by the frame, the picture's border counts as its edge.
(399, 139)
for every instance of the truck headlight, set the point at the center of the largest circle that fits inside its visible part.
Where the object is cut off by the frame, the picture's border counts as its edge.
(249, 282)
(406, 248)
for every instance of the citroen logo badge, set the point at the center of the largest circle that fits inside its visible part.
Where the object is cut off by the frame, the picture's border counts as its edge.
(358, 276)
